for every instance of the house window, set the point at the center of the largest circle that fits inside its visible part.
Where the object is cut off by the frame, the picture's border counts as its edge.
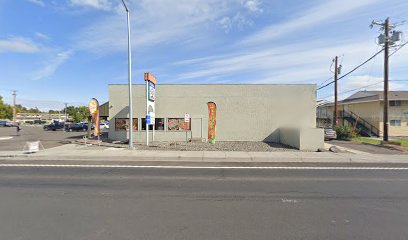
(121, 124)
(144, 125)
(395, 122)
(178, 124)
(395, 103)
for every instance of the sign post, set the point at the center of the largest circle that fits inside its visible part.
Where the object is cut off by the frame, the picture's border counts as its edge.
(150, 103)
(186, 122)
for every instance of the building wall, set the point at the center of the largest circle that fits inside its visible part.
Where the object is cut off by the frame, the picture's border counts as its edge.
(396, 113)
(244, 112)
(369, 111)
(372, 112)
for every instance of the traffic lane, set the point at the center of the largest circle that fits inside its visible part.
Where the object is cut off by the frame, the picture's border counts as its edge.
(202, 204)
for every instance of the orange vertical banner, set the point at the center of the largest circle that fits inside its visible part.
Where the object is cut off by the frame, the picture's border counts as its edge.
(94, 111)
(212, 121)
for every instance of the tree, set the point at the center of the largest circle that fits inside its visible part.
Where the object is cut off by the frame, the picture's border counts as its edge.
(79, 114)
(6, 111)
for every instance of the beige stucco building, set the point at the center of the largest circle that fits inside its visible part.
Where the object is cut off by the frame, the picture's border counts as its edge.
(366, 108)
(270, 113)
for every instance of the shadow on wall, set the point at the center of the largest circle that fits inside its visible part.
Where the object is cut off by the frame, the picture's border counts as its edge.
(273, 137)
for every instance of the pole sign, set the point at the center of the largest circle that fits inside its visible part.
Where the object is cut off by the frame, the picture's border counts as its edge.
(150, 103)
(152, 91)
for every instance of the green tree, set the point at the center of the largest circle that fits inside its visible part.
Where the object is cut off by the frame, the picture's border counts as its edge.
(79, 114)
(6, 111)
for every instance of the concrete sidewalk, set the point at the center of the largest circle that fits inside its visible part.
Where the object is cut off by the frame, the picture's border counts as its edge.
(73, 152)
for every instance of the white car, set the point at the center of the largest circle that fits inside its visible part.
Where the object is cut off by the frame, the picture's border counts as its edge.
(104, 125)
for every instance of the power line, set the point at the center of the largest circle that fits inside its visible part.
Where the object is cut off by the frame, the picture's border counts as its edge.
(330, 78)
(355, 89)
(354, 69)
(396, 50)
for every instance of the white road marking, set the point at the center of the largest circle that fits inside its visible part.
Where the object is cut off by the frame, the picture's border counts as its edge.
(5, 138)
(200, 167)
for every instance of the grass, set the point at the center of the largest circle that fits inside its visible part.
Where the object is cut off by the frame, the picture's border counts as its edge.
(404, 141)
(367, 140)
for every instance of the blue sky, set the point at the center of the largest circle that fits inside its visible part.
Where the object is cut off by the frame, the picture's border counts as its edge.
(56, 51)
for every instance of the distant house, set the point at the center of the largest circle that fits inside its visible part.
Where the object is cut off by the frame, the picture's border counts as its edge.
(364, 110)
(104, 111)
(32, 117)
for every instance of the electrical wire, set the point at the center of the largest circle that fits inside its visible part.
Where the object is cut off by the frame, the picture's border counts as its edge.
(354, 69)
(396, 50)
(370, 85)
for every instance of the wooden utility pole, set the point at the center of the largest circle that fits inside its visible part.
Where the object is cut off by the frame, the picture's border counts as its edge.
(386, 86)
(336, 111)
(14, 106)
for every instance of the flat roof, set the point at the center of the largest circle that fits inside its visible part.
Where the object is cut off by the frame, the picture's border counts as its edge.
(222, 84)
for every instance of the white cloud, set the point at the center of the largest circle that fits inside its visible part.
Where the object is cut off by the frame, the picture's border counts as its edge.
(18, 44)
(330, 10)
(253, 5)
(52, 65)
(98, 4)
(238, 20)
(41, 36)
(38, 2)
(154, 22)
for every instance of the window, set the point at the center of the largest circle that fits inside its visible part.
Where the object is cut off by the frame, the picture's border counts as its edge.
(395, 103)
(121, 124)
(159, 124)
(178, 124)
(395, 122)
(144, 125)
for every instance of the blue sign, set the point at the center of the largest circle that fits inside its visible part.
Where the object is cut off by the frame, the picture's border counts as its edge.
(148, 120)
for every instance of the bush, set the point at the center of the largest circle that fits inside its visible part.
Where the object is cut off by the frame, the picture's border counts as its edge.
(345, 133)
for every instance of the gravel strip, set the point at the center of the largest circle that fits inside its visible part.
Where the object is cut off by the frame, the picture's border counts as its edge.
(219, 146)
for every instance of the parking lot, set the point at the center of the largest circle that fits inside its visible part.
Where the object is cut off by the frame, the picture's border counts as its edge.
(10, 141)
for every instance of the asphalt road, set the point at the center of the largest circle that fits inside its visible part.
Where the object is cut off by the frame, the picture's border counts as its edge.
(49, 139)
(94, 203)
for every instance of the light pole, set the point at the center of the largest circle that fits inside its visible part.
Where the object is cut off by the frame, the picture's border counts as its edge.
(130, 79)
(65, 112)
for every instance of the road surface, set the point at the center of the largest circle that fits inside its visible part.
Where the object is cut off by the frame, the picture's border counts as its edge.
(109, 203)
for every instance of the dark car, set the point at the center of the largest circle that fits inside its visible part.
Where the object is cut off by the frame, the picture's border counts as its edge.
(76, 127)
(3, 123)
(54, 127)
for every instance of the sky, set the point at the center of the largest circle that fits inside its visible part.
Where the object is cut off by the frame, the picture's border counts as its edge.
(56, 51)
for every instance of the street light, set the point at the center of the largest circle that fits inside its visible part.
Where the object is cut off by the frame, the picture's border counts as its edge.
(130, 80)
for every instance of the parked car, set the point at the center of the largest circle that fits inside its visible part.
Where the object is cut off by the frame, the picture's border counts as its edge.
(6, 124)
(104, 125)
(53, 127)
(76, 127)
(38, 121)
(330, 134)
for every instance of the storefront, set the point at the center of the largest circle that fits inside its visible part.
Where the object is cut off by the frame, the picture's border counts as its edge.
(229, 112)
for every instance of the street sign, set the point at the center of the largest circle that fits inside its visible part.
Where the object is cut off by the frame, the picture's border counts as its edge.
(152, 92)
(186, 117)
(148, 120)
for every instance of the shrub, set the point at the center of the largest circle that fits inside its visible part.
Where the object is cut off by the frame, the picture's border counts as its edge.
(345, 133)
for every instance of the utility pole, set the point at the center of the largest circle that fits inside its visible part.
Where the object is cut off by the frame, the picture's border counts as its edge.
(14, 106)
(66, 116)
(386, 86)
(336, 75)
(386, 40)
